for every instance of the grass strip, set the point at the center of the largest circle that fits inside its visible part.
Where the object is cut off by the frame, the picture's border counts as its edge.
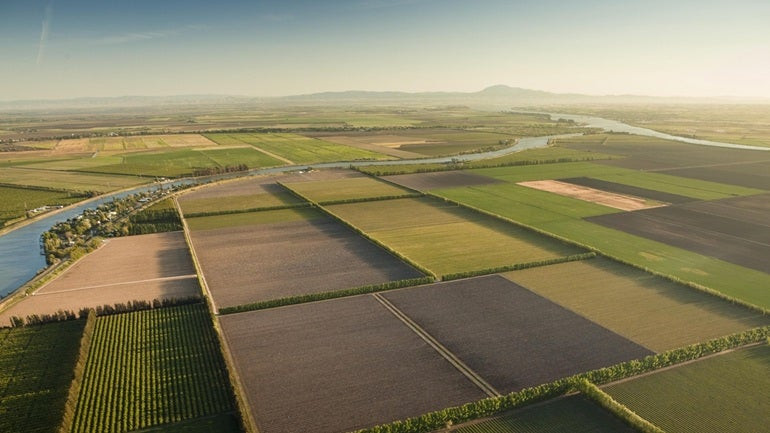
(618, 409)
(300, 299)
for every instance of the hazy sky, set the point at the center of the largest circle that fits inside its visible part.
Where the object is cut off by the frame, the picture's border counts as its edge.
(57, 49)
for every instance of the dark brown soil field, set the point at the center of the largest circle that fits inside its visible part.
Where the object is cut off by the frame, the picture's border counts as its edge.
(337, 366)
(754, 175)
(748, 168)
(619, 188)
(441, 179)
(510, 336)
(268, 261)
(717, 228)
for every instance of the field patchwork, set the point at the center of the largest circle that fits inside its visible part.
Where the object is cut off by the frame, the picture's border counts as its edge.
(724, 393)
(593, 195)
(266, 255)
(447, 239)
(327, 358)
(347, 189)
(651, 311)
(510, 336)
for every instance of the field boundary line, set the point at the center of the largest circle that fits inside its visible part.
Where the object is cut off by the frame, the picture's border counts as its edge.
(188, 239)
(278, 157)
(174, 278)
(474, 377)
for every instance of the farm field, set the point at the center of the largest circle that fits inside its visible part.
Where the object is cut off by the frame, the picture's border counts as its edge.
(36, 364)
(295, 148)
(441, 179)
(510, 336)
(70, 181)
(446, 238)
(593, 195)
(563, 216)
(17, 201)
(127, 143)
(347, 189)
(380, 143)
(728, 237)
(747, 168)
(217, 198)
(266, 255)
(620, 188)
(144, 267)
(651, 311)
(725, 393)
(573, 414)
(328, 358)
(150, 368)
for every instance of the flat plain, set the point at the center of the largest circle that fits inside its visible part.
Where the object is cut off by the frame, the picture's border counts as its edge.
(446, 238)
(574, 414)
(725, 393)
(347, 189)
(441, 179)
(729, 236)
(267, 255)
(620, 188)
(651, 311)
(337, 366)
(144, 267)
(510, 336)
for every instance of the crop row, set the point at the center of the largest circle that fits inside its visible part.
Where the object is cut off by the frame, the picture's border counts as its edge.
(152, 367)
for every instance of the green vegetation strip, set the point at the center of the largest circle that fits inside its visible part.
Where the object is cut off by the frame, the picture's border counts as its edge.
(80, 368)
(291, 300)
(495, 405)
(392, 251)
(518, 266)
(150, 368)
(606, 401)
(365, 199)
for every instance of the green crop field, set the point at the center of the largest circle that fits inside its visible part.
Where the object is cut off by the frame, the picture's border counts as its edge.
(67, 180)
(562, 216)
(151, 368)
(446, 238)
(347, 189)
(16, 201)
(36, 365)
(724, 393)
(648, 310)
(296, 148)
(572, 414)
(251, 218)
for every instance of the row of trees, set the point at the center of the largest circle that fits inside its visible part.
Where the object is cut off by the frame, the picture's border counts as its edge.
(518, 266)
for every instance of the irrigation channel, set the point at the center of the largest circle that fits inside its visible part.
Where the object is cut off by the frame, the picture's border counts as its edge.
(20, 258)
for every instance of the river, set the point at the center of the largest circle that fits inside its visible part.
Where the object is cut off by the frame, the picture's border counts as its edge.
(20, 258)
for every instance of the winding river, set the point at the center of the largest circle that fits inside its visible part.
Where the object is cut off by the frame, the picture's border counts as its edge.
(20, 258)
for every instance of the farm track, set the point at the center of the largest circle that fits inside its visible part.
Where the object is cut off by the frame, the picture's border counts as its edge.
(123, 283)
(440, 348)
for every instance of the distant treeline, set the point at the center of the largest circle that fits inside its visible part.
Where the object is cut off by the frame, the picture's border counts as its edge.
(154, 220)
(210, 171)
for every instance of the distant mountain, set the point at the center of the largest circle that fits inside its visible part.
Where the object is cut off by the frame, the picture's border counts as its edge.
(497, 96)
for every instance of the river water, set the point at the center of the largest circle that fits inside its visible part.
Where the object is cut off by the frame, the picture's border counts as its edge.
(20, 258)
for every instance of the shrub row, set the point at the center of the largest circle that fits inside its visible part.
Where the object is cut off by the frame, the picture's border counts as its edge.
(102, 310)
(291, 300)
(495, 405)
(619, 410)
(517, 266)
(387, 248)
(77, 380)
(365, 199)
(237, 211)
(154, 221)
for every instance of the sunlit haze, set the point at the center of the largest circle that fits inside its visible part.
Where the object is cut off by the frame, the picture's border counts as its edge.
(63, 49)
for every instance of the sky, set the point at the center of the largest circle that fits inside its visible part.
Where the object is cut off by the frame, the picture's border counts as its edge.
(53, 49)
